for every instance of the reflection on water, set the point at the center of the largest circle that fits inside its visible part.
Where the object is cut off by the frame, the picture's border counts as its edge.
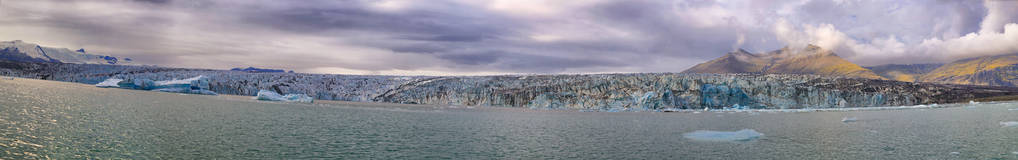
(41, 119)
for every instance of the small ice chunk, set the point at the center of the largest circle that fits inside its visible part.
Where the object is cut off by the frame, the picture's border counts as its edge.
(267, 95)
(724, 136)
(849, 119)
(1013, 109)
(955, 153)
(1009, 124)
(109, 83)
(973, 102)
(178, 81)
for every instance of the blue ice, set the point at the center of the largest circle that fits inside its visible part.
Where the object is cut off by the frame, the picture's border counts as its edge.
(267, 95)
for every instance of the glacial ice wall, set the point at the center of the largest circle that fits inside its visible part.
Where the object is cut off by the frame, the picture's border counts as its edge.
(644, 91)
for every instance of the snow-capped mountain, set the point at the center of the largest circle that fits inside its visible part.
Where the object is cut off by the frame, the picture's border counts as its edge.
(18, 50)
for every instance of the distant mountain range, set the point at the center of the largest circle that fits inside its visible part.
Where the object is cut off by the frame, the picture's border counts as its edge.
(18, 50)
(811, 60)
(1000, 70)
(903, 72)
(259, 70)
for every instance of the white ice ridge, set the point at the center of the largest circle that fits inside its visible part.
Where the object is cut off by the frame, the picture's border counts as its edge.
(1009, 124)
(111, 82)
(724, 136)
(267, 95)
(178, 81)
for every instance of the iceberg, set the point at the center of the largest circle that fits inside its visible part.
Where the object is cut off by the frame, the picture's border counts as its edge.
(194, 85)
(109, 83)
(723, 136)
(1009, 124)
(267, 95)
(849, 119)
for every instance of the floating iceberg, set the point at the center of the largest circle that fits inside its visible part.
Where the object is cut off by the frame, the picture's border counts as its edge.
(1009, 124)
(267, 95)
(849, 119)
(736, 136)
(195, 85)
(109, 83)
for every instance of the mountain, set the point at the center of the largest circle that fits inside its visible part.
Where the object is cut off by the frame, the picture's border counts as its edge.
(903, 72)
(810, 60)
(18, 50)
(1001, 70)
(257, 70)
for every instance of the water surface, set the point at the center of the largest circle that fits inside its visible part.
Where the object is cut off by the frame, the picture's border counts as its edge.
(43, 119)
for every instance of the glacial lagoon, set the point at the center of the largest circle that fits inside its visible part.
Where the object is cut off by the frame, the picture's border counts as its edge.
(57, 120)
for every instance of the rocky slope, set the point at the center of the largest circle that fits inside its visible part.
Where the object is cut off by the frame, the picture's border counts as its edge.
(1001, 70)
(903, 72)
(810, 60)
(645, 91)
(27, 52)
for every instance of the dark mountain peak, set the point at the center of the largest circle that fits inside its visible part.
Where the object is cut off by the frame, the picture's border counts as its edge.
(257, 70)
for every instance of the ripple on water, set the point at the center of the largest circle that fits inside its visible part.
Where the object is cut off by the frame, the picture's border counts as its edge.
(724, 136)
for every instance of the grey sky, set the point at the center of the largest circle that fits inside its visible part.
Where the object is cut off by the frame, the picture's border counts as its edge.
(466, 37)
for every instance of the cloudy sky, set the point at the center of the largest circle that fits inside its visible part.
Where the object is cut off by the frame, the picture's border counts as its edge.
(470, 37)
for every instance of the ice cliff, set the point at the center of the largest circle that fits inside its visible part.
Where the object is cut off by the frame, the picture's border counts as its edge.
(644, 91)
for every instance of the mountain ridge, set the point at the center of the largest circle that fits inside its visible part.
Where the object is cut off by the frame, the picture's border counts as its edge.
(18, 50)
(985, 70)
(809, 60)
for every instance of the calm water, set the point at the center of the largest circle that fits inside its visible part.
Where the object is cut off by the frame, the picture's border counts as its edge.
(41, 119)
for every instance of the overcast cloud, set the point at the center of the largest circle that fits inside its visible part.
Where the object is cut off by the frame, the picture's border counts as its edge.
(469, 37)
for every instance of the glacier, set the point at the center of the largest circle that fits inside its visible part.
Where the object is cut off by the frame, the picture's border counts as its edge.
(735, 136)
(593, 92)
(267, 95)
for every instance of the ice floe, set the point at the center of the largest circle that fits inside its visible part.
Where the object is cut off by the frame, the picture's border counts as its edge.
(1009, 124)
(724, 136)
(267, 95)
(849, 119)
(109, 83)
